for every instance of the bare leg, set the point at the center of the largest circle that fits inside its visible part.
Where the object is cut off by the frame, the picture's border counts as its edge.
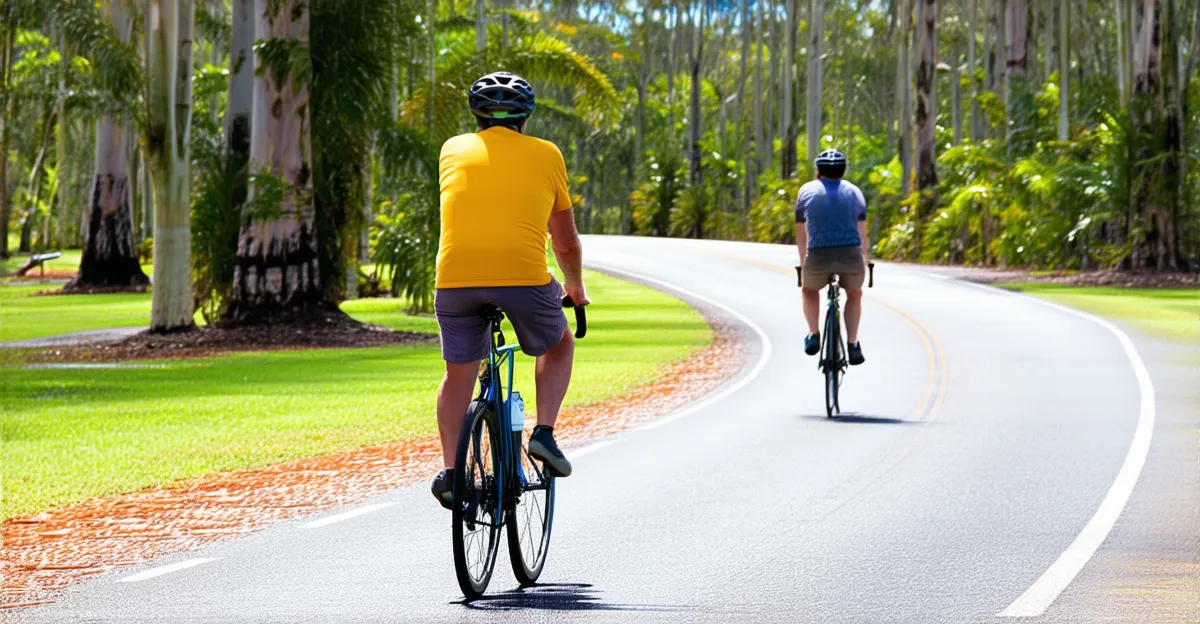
(454, 397)
(812, 308)
(853, 313)
(553, 378)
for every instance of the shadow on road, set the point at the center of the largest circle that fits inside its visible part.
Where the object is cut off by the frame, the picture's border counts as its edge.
(560, 597)
(862, 419)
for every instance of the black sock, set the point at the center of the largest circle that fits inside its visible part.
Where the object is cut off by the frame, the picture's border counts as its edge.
(450, 474)
(549, 430)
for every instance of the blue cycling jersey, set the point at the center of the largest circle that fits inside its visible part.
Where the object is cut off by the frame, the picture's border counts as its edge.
(832, 210)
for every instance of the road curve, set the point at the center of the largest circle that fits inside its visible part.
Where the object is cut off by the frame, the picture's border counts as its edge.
(983, 434)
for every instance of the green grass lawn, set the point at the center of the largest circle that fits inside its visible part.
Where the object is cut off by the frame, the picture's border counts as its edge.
(70, 434)
(1173, 314)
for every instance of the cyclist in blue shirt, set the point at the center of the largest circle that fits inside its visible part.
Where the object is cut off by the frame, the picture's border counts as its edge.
(831, 234)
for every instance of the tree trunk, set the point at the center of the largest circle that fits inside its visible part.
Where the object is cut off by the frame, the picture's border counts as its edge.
(430, 98)
(927, 179)
(816, 71)
(8, 112)
(903, 96)
(240, 100)
(1157, 114)
(1064, 69)
(33, 192)
(745, 132)
(168, 130)
(61, 157)
(277, 274)
(480, 25)
(1021, 107)
(772, 84)
(760, 141)
(696, 115)
(787, 123)
(972, 67)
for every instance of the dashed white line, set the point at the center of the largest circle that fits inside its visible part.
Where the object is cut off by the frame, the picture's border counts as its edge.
(763, 357)
(167, 569)
(1055, 580)
(353, 513)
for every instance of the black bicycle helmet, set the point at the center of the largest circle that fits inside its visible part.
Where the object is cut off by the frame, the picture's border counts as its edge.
(830, 158)
(501, 95)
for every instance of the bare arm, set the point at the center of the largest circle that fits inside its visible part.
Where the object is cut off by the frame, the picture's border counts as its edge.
(568, 251)
(802, 241)
(866, 242)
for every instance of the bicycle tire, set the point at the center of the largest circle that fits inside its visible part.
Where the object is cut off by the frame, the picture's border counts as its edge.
(529, 541)
(832, 367)
(477, 496)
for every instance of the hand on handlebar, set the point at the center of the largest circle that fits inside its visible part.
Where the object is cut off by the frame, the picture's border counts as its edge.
(577, 293)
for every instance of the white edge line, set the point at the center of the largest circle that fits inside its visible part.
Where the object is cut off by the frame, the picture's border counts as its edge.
(167, 569)
(346, 515)
(591, 448)
(1055, 580)
(763, 357)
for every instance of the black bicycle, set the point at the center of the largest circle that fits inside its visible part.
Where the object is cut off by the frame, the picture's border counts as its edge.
(833, 362)
(497, 483)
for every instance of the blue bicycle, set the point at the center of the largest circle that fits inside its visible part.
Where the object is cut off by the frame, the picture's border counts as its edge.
(497, 483)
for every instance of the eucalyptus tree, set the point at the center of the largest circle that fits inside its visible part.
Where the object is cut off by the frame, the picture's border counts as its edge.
(927, 180)
(109, 256)
(816, 72)
(169, 32)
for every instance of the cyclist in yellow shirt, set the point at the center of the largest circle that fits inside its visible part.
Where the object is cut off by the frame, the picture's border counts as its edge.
(500, 192)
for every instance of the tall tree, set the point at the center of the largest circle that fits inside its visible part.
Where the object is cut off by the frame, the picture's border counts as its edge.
(1064, 68)
(696, 115)
(277, 273)
(169, 27)
(240, 99)
(972, 67)
(8, 112)
(1158, 122)
(110, 257)
(760, 141)
(927, 179)
(1019, 89)
(787, 117)
(816, 72)
(904, 96)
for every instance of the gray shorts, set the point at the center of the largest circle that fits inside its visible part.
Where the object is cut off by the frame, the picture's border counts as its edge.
(536, 313)
(846, 262)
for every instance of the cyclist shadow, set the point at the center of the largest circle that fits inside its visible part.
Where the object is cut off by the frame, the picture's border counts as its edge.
(559, 597)
(862, 419)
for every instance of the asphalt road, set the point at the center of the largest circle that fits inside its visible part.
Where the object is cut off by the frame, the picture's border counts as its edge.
(987, 435)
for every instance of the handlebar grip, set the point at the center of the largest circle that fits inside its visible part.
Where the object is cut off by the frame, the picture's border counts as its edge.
(580, 317)
(799, 277)
(871, 275)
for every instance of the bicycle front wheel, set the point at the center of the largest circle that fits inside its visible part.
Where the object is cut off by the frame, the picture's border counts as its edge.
(476, 513)
(530, 521)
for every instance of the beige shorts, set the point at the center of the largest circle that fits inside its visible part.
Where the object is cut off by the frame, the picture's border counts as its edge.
(845, 262)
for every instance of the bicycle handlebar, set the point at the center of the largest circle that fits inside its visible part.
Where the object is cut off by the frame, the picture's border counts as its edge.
(870, 278)
(580, 317)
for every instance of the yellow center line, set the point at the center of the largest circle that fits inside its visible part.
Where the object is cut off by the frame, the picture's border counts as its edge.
(938, 380)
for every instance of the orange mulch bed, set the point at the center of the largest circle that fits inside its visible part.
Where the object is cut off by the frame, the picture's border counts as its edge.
(51, 550)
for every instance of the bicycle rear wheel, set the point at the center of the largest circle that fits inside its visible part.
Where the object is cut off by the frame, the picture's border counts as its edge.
(833, 368)
(477, 512)
(530, 521)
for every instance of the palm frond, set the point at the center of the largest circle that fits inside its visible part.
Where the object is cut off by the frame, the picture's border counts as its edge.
(115, 65)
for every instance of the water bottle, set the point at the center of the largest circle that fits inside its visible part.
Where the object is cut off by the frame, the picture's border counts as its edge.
(516, 411)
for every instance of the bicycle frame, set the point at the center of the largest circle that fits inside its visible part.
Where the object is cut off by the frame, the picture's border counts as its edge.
(833, 292)
(497, 391)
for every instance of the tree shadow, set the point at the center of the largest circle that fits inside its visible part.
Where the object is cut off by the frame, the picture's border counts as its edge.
(559, 597)
(862, 419)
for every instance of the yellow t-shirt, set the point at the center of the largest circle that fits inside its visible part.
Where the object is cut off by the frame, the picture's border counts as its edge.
(498, 189)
